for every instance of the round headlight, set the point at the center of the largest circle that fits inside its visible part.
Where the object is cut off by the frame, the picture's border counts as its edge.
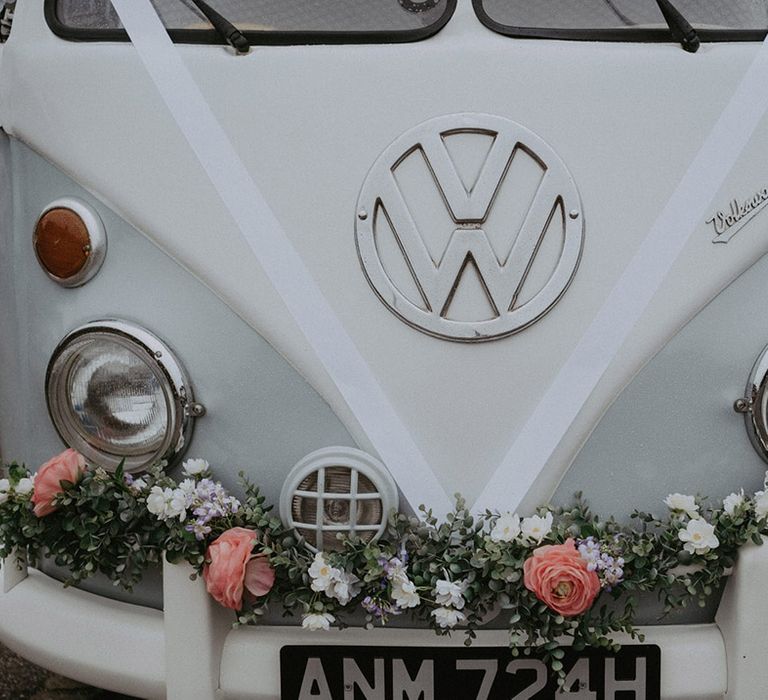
(117, 393)
(337, 489)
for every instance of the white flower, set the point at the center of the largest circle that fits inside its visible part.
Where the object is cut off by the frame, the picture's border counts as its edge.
(167, 503)
(507, 528)
(25, 486)
(189, 487)
(699, 537)
(343, 586)
(317, 621)
(177, 506)
(536, 528)
(195, 467)
(447, 618)
(450, 593)
(5, 487)
(156, 501)
(334, 582)
(321, 573)
(404, 593)
(732, 502)
(682, 504)
(139, 485)
(761, 504)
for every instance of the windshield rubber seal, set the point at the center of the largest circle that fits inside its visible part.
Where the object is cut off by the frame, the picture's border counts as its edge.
(627, 35)
(256, 38)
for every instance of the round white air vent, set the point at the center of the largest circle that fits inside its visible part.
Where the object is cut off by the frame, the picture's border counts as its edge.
(337, 490)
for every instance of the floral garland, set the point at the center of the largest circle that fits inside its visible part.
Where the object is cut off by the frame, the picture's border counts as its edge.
(546, 572)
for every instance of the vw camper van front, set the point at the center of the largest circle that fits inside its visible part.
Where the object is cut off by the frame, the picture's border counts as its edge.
(414, 273)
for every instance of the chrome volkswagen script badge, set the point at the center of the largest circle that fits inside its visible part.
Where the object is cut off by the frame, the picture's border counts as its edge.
(469, 227)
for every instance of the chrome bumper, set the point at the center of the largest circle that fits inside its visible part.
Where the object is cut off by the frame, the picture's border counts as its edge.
(191, 652)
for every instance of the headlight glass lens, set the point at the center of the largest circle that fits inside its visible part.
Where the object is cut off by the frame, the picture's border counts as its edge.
(116, 400)
(111, 398)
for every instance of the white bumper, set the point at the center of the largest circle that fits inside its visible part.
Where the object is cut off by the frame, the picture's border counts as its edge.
(190, 651)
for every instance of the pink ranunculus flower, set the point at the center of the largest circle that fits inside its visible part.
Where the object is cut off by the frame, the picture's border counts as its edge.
(232, 568)
(559, 577)
(67, 466)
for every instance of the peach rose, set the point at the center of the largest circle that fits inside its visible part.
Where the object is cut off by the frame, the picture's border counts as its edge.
(558, 576)
(67, 466)
(232, 567)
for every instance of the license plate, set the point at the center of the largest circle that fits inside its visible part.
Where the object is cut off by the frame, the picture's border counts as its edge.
(441, 673)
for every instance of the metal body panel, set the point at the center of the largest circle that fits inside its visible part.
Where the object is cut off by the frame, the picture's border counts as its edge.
(249, 657)
(463, 404)
(262, 416)
(98, 641)
(674, 428)
(310, 121)
(190, 652)
(11, 422)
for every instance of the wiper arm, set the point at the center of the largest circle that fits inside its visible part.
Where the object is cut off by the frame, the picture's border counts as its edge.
(680, 27)
(616, 11)
(225, 29)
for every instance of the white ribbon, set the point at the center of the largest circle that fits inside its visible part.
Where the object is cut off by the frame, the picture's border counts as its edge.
(578, 377)
(601, 342)
(279, 259)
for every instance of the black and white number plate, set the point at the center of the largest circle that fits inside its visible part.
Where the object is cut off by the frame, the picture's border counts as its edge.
(440, 673)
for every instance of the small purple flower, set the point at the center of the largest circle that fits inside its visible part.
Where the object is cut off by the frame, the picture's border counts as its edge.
(392, 565)
(200, 530)
(370, 606)
(378, 608)
(603, 558)
(207, 500)
(404, 554)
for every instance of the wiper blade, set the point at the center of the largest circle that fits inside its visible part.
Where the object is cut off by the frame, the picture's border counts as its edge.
(680, 27)
(225, 29)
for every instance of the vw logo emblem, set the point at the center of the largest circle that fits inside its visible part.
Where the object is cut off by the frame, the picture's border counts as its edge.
(469, 227)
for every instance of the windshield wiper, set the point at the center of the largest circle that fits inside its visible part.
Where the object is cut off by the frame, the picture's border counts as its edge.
(616, 11)
(224, 28)
(680, 27)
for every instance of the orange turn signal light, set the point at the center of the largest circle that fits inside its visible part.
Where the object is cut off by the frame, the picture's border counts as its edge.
(69, 242)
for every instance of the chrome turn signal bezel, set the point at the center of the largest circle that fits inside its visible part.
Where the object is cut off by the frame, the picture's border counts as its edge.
(96, 246)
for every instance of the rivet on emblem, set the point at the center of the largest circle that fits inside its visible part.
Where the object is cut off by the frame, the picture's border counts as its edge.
(473, 227)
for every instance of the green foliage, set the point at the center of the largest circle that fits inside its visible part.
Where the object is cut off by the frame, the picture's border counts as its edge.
(103, 525)
(100, 525)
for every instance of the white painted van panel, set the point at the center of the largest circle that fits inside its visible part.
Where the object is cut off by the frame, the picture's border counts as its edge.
(309, 122)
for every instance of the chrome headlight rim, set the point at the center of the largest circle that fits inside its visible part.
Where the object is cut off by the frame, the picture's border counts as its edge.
(160, 360)
(336, 457)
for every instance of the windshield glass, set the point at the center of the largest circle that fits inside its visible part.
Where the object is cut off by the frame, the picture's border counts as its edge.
(623, 20)
(265, 21)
